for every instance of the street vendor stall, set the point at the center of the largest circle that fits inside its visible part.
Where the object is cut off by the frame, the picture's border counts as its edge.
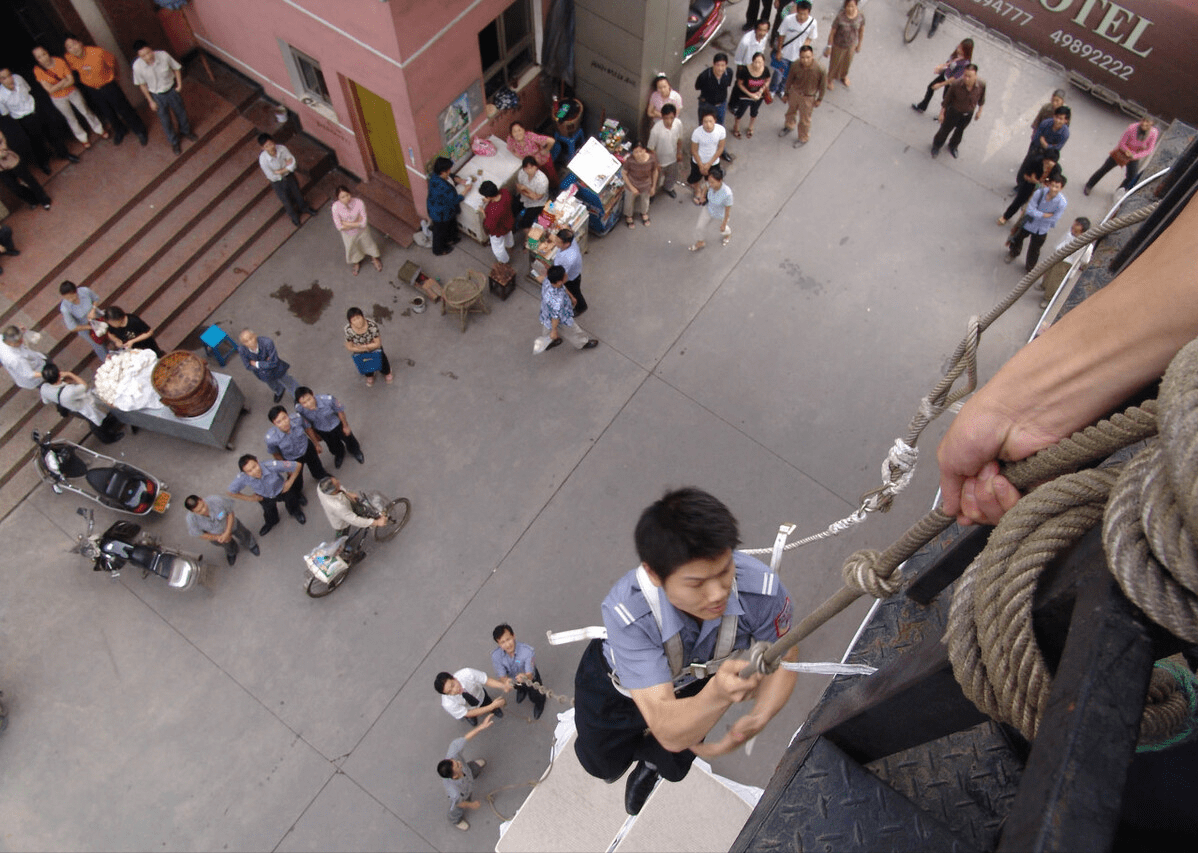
(188, 402)
(565, 211)
(595, 172)
(500, 168)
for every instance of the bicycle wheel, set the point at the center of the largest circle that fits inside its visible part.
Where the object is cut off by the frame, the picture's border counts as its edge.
(914, 23)
(319, 589)
(398, 512)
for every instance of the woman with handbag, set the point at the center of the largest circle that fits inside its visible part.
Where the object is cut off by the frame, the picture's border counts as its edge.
(1137, 143)
(953, 68)
(362, 338)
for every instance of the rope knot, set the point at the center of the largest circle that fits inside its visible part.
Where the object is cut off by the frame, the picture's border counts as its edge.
(758, 660)
(862, 574)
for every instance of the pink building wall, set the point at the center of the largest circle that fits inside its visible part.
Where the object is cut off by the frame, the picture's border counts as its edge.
(393, 49)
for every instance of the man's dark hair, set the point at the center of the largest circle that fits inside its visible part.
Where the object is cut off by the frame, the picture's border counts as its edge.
(353, 312)
(528, 161)
(566, 235)
(191, 502)
(686, 524)
(488, 189)
(67, 287)
(302, 391)
(719, 57)
(1053, 154)
(556, 273)
(274, 412)
(1084, 222)
(445, 768)
(114, 313)
(972, 67)
(1058, 176)
(765, 21)
(441, 680)
(139, 44)
(51, 373)
(442, 165)
(805, 49)
(803, 4)
(500, 630)
(668, 110)
(1063, 111)
(704, 112)
(264, 138)
(244, 460)
(716, 172)
(70, 36)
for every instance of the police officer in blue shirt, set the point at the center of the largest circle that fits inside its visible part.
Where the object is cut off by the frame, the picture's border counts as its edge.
(517, 661)
(323, 416)
(662, 679)
(286, 440)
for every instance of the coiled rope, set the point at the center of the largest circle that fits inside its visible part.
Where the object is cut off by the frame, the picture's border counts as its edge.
(1149, 512)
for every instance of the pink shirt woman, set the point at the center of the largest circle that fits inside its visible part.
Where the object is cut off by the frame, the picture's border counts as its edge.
(524, 143)
(349, 215)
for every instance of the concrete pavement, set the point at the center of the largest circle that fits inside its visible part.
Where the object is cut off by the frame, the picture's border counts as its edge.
(774, 372)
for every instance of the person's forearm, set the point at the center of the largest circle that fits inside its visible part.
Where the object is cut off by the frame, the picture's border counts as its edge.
(687, 721)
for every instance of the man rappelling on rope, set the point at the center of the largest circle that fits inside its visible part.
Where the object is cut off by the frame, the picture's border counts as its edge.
(654, 689)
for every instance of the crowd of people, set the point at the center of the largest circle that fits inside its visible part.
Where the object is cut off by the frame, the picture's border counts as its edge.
(635, 708)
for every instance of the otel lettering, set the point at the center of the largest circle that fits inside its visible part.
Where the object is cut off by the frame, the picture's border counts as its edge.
(1114, 22)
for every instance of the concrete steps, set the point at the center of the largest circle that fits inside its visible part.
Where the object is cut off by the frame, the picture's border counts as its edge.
(171, 248)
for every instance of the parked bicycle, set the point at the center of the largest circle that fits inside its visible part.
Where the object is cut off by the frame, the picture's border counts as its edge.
(915, 21)
(328, 564)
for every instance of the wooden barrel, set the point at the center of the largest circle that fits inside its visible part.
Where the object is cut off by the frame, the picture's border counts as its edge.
(185, 384)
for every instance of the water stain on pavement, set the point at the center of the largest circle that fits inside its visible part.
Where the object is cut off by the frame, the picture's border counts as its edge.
(308, 305)
(380, 313)
(805, 282)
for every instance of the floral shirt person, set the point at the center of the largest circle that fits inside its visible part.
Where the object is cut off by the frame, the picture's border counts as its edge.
(555, 302)
(362, 338)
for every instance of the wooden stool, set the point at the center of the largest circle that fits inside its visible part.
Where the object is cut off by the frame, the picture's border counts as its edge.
(502, 280)
(466, 294)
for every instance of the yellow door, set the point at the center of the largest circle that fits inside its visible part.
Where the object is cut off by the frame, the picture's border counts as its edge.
(381, 135)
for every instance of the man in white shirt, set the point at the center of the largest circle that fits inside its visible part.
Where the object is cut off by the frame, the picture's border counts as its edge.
(665, 140)
(23, 364)
(707, 144)
(65, 389)
(278, 165)
(160, 78)
(756, 40)
(533, 186)
(797, 29)
(16, 100)
(338, 507)
(464, 694)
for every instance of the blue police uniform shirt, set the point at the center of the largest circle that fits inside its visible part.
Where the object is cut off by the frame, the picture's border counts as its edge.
(290, 445)
(509, 666)
(634, 646)
(324, 417)
(270, 484)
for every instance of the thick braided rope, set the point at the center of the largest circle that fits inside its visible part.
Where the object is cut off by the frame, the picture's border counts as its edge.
(1169, 708)
(991, 644)
(1151, 523)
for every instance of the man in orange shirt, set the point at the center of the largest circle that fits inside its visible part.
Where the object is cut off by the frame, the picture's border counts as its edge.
(96, 70)
(57, 78)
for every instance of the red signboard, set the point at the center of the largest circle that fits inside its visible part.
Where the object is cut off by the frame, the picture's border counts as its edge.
(1140, 50)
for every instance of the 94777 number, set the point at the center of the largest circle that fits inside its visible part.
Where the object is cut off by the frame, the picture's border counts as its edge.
(1097, 57)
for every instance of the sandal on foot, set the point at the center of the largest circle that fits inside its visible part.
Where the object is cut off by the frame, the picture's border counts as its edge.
(390, 378)
(356, 268)
(628, 221)
(749, 133)
(736, 133)
(645, 219)
(725, 241)
(694, 247)
(378, 265)
(369, 381)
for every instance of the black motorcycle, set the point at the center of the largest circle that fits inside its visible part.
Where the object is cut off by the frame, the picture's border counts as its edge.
(124, 544)
(70, 467)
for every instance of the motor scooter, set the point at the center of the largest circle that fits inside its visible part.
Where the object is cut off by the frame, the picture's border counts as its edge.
(70, 467)
(704, 20)
(124, 543)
